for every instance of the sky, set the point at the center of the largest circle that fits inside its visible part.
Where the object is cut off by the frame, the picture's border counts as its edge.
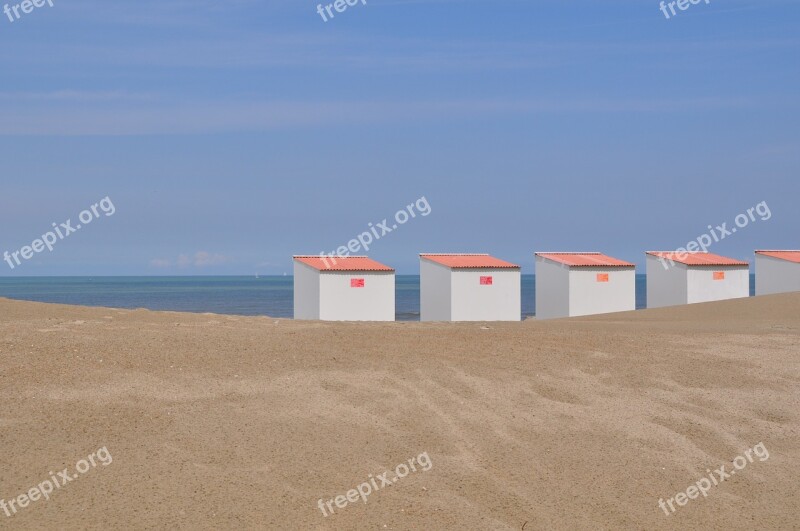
(229, 136)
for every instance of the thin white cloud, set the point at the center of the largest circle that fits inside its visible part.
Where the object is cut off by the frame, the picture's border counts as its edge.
(200, 259)
(173, 118)
(160, 263)
(77, 95)
(239, 49)
(204, 259)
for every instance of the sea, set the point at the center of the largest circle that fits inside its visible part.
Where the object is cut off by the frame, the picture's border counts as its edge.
(266, 295)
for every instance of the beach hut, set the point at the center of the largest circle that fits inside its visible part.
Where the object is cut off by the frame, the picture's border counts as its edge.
(354, 288)
(777, 272)
(686, 278)
(468, 287)
(573, 284)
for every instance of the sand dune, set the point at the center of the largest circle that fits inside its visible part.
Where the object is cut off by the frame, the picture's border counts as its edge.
(241, 422)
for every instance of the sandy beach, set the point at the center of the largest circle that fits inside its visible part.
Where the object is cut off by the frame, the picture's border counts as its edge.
(247, 422)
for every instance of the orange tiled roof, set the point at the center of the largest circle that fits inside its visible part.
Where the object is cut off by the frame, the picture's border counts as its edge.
(468, 261)
(585, 259)
(698, 259)
(790, 256)
(342, 263)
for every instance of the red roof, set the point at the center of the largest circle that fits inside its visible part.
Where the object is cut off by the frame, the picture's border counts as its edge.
(791, 256)
(585, 259)
(698, 259)
(342, 263)
(469, 261)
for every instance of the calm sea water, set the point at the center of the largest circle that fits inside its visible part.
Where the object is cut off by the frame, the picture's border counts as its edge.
(226, 295)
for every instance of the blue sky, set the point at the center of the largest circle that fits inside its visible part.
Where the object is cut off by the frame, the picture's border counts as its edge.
(231, 135)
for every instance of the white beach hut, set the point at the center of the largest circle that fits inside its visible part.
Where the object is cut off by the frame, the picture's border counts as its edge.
(469, 287)
(686, 278)
(573, 284)
(777, 272)
(354, 288)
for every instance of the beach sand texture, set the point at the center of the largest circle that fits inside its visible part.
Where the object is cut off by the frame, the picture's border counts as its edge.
(245, 422)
